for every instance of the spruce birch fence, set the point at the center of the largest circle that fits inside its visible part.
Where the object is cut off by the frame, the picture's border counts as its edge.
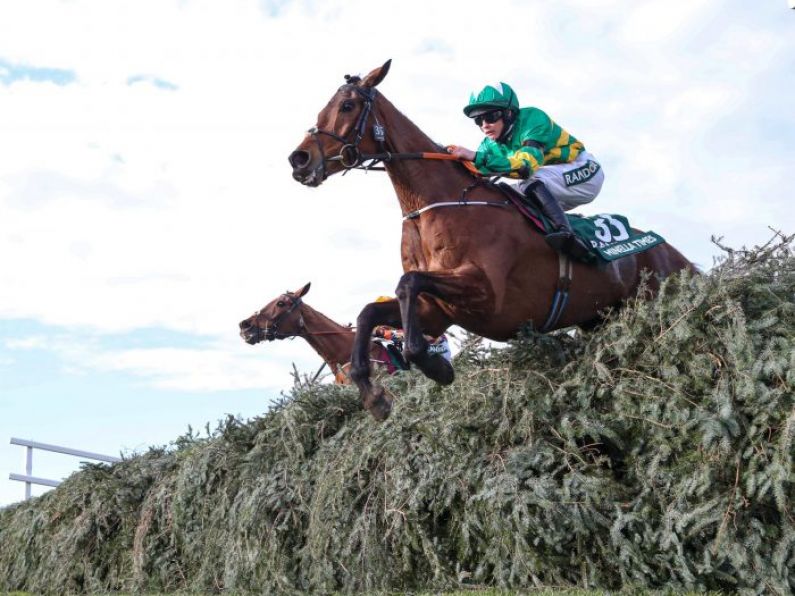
(29, 479)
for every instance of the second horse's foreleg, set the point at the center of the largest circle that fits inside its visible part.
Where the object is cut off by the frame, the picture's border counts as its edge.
(374, 399)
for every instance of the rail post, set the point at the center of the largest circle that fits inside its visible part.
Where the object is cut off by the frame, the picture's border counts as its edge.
(29, 479)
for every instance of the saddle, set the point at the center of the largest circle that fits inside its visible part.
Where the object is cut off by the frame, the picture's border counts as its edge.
(609, 236)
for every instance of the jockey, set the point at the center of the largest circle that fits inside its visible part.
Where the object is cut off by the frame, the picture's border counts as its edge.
(440, 346)
(525, 143)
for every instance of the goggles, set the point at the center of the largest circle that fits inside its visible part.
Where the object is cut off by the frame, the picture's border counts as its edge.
(490, 117)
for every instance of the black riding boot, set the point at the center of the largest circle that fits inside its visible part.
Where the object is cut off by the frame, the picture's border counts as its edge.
(562, 238)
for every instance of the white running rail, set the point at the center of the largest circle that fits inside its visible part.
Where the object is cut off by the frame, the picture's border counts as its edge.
(28, 477)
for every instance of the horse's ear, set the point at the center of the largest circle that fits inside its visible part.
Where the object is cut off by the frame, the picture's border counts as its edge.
(376, 75)
(300, 293)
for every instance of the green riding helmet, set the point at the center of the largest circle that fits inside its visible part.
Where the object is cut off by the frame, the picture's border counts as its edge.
(491, 99)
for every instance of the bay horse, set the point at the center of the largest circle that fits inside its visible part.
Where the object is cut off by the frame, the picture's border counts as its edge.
(468, 258)
(288, 316)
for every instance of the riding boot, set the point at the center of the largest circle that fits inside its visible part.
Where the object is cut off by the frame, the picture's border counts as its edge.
(562, 238)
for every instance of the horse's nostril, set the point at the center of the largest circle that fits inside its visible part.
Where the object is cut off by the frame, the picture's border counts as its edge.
(299, 159)
(244, 325)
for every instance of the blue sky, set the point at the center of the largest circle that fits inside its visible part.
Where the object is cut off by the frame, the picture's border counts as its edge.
(10, 73)
(146, 204)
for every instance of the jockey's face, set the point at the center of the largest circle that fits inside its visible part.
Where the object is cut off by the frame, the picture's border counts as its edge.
(493, 130)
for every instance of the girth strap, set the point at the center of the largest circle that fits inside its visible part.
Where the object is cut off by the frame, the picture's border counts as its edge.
(561, 297)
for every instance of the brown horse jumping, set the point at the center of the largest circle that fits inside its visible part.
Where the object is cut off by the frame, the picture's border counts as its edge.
(480, 266)
(289, 316)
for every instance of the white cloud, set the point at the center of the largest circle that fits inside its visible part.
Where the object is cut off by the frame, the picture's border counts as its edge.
(698, 106)
(224, 365)
(656, 21)
(193, 370)
(27, 343)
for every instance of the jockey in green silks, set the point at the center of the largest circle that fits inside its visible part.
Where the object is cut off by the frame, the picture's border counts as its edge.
(526, 144)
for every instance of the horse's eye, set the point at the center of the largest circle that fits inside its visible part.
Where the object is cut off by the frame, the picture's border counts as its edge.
(347, 106)
(280, 303)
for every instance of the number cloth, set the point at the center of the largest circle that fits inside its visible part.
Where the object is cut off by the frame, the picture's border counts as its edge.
(611, 236)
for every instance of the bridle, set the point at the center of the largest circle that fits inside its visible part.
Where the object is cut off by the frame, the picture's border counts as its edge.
(271, 331)
(350, 156)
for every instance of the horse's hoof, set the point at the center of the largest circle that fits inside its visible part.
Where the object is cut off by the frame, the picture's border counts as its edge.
(447, 378)
(380, 405)
(437, 369)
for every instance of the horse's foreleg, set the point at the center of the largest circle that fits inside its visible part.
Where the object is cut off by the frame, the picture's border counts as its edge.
(455, 288)
(374, 399)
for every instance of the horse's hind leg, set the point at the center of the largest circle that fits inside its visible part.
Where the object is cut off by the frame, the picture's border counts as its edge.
(373, 397)
(446, 286)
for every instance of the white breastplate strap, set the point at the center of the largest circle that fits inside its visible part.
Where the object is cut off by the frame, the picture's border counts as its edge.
(418, 212)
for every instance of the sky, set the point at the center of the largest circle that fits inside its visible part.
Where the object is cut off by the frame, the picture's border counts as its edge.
(147, 205)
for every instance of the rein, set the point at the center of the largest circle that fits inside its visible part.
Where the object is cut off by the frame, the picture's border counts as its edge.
(350, 157)
(387, 156)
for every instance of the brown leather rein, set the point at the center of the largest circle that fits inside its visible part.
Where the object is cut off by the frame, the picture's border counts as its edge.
(350, 157)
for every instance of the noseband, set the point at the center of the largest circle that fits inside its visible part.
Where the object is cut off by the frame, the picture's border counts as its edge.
(271, 331)
(349, 155)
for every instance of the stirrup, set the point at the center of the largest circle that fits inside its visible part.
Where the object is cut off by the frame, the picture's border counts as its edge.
(559, 239)
(569, 243)
(577, 249)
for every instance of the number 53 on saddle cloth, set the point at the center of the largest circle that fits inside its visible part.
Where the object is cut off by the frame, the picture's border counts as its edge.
(611, 237)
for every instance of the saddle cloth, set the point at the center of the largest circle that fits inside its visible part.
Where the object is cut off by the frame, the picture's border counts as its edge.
(609, 236)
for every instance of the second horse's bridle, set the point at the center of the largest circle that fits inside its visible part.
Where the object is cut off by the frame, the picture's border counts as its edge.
(271, 331)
